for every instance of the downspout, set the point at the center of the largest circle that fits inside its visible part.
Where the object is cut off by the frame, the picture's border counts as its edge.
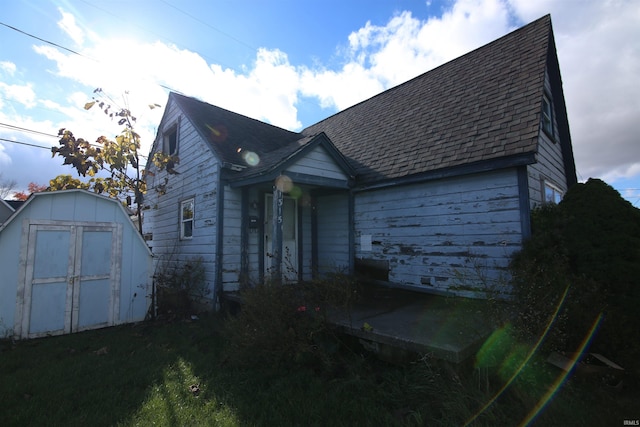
(218, 289)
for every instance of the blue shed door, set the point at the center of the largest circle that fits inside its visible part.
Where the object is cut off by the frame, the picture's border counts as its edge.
(70, 279)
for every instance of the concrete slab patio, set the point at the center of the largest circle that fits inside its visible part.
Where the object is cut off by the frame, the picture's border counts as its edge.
(446, 328)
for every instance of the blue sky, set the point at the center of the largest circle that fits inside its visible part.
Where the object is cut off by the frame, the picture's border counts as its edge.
(292, 63)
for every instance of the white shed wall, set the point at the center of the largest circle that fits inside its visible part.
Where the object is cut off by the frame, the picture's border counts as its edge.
(71, 207)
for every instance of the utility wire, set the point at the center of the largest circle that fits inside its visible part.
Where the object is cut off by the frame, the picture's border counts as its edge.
(25, 143)
(26, 130)
(195, 18)
(45, 41)
(142, 156)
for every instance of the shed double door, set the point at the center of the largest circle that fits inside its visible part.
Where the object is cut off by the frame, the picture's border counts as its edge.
(71, 278)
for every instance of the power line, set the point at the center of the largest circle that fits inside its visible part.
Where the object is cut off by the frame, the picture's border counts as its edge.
(25, 143)
(195, 18)
(45, 41)
(67, 49)
(142, 156)
(8, 126)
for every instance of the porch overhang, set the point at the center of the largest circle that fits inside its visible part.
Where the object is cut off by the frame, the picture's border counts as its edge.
(340, 176)
(296, 178)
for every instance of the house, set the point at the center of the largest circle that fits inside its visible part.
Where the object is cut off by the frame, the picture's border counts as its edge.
(71, 260)
(427, 186)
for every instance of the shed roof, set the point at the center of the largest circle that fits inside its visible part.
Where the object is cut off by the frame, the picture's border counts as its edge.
(81, 193)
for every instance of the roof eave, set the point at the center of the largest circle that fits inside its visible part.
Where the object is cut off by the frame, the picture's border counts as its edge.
(511, 161)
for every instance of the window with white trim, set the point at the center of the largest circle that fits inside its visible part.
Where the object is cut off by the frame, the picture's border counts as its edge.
(552, 194)
(186, 218)
(547, 116)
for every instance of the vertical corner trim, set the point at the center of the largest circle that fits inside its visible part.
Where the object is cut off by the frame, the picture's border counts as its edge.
(525, 207)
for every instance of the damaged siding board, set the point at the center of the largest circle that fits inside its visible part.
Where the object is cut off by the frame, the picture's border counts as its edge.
(433, 234)
(333, 233)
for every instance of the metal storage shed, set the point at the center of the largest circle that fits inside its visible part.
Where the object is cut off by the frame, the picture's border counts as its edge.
(71, 261)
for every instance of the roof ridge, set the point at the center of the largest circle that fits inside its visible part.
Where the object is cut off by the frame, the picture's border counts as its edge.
(512, 33)
(189, 98)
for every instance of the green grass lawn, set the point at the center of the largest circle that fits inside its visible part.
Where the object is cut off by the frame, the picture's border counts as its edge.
(177, 374)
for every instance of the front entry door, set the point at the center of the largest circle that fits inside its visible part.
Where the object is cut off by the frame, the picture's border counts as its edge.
(70, 280)
(289, 266)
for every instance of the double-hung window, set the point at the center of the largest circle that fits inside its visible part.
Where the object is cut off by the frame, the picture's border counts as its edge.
(547, 116)
(186, 219)
(552, 194)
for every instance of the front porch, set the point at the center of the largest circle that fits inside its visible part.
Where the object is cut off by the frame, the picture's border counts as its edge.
(399, 324)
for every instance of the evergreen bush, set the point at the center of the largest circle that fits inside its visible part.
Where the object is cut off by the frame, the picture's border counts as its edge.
(588, 244)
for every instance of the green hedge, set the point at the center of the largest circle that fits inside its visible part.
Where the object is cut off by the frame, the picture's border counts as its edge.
(588, 244)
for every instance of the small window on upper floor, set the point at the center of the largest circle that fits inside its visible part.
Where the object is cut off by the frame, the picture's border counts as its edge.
(547, 116)
(552, 194)
(170, 139)
(186, 219)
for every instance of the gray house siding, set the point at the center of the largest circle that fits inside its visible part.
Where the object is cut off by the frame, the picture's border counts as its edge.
(306, 243)
(550, 163)
(198, 178)
(442, 236)
(232, 238)
(318, 163)
(333, 233)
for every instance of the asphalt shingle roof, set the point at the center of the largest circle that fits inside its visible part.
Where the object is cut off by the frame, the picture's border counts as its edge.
(230, 134)
(482, 106)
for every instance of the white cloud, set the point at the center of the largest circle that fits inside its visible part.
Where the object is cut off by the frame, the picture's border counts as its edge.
(68, 24)
(8, 67)
(597, 48)
(5, 159)
(269, 91)
(340, 89)
(380, 57)
(23, 94)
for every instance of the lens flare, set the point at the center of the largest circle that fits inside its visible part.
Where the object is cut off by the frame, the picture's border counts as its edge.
(296, 192)
(218, 133)
(284, 183)
(544, 401)
(251, 158)
(524, 361)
